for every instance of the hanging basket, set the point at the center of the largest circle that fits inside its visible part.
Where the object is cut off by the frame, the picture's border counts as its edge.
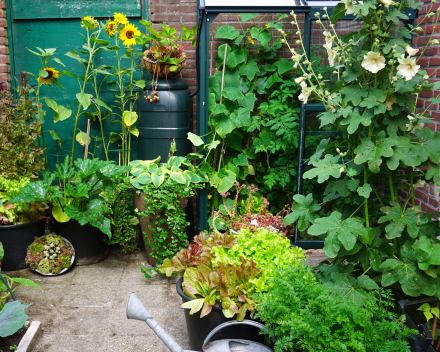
(160, 69)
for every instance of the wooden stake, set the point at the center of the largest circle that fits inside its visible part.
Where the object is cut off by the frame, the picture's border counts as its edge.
(86, 151)
(119, 163)
(223, 73)
(434, 326)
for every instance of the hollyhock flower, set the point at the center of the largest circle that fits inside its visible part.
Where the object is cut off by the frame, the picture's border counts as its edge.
(349, 5)
(407, 68)
(419, 184)
(387, 3)
(410, 127)
(373, 62)
(305, 92)
(411, 51)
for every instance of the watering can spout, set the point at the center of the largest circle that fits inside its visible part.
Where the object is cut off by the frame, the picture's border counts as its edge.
(136, 310)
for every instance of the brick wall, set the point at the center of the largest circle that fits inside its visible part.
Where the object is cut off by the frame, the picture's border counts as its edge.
(4, 50)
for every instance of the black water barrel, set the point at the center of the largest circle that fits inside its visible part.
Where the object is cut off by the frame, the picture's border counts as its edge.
(167, 119)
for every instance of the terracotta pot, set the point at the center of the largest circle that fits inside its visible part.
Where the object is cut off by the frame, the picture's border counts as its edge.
(138, 202)
(159, 69)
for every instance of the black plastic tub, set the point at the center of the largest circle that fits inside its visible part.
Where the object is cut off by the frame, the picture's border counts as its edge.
(414, 318)
(15, 240)
(87, 240)
(199, 328)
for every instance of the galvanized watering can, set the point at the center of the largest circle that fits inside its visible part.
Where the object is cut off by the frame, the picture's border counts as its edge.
(135, 310)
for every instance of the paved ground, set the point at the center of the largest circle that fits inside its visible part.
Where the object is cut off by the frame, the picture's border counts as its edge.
(84, 309)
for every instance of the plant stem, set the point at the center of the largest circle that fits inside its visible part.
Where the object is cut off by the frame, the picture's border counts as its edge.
(367, 220)
(412, 188)
(434, 326)
(390, 182)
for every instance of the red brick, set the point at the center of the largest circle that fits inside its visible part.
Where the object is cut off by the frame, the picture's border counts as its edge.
(4, 68)
(2, 5)
(435, 115)
(4, 59)
(424, 61)
(434, 61)
(4, 77)
(421, 195)
(2, 32)
(158, 8)
(3, 41)
(189, 18)
(3, 13)
(4, 50)
(159, 18)
(433, 202)
(427, 94)
(183, 8)
(422, 41)
(427, 209)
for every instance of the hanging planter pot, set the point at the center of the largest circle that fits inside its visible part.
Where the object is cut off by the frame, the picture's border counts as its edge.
(50, 255)
(160, 69)
(15, 240)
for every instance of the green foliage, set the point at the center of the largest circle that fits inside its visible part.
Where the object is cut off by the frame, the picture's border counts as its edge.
(79, 183)
(376, 229)
(268, 249)
(303, 316)
(14, 283)
(20, 128)
(49, 254)
(118, 196)
(12, 318)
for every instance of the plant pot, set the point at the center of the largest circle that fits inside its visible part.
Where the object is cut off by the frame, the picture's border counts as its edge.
(199, 328)
(138, 202)
(414, 317)
(16, 239)
(160, 69)
(72, 260)
(88, 241)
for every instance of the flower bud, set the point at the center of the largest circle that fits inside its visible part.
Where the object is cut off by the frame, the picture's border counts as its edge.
(341, 170)
(419, 29)
(426, 77)
(298, 33)
(298, 42)
(435, 42)
(338, 150)
(325, 8)
(317, 14)
(298, 80)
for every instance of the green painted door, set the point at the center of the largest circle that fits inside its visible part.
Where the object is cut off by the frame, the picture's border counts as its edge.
(56, 24)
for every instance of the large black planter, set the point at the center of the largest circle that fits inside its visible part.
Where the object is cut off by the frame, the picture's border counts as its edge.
(87, 240)
(414, 318)
(15, 240)
(199, 328)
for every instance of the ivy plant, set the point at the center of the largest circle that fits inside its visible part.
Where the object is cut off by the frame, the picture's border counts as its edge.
(384, 154)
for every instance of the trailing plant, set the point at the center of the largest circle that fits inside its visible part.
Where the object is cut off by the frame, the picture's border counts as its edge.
(230, 269)
(384, 153)
(163, 187)
(303, 316)
(118, 196)
(74, 195)
(20, 129)
(432, 313)
(17, 213)
(49, 254)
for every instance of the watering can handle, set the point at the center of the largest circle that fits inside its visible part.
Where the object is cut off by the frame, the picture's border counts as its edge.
(234, 322)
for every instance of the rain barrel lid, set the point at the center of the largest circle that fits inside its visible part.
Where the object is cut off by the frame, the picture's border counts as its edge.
(170, 84)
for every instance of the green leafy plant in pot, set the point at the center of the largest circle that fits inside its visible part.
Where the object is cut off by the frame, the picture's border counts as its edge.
(161, 194)
(73, 194)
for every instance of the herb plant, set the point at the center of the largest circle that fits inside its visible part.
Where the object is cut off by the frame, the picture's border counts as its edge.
(384, 152)
(303, 316)
(72, 195)
(20, 153)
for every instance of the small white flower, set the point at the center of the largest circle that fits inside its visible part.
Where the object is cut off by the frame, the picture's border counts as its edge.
(387, 3)
(305, 92)
(411, 51)
(407, 68)
(410, 127)
(298, 80)
(341, 170)
(331, 54)
(254, 222)
(349, 5)
(419, 184)
(373, 62)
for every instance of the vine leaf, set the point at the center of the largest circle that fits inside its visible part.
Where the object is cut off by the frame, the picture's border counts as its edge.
(427, 253)
(227, 32)
(249, 70)
(324, 168)
(223, 125)
(372, 152)
(284, 65)
(262, 35)
(248, 101)
(303, 210)
(429, 146)
(354, 119)
(403, 151)
(241, 117)
(365, 190)
(434, 174)
(232, 93)
(399, 220)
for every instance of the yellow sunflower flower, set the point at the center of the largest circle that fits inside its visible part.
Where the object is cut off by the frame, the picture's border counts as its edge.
(111, 28)
(89, 19)
(127, 35)
(120, 18)
(51, 74)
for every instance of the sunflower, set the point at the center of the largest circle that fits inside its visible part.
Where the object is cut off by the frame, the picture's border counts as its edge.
(111, 27)
(51, 74)
(120, 18)
(127, 35)
(89, 19)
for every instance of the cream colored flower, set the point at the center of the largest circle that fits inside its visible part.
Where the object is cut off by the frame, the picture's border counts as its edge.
(407, 68)
(298, 80)
(389, 103)
(411, 51)
(410, 127)
(387, 3)
(328, 38)
(331, 54)
(373, 62)
(305, 92)
(341, 170)
(349, 5)
(419, 184)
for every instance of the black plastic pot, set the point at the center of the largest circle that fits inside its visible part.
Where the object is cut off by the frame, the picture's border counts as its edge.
(199, 328)
(15, 240)
(415, 319)
(87, 240)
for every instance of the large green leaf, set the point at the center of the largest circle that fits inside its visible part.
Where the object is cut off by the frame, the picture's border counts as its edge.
(59, 214)
(373, 152)
(249, 70)
(12, 318)
(248, 101)
(62, 114)
(93, 211)
(284, 65)
(84, 99)
(232, 93)
(324, 168)
(303, 210)
(25, 282)
(223, 180)
(226, 32)
(262, 35)
(399, 220)
(241, 117)
(104, 224)
(234, 56)
(403, 151)
(428, 253)
(354, 119)
(429, 145)
(87, 167)
(195, 139)
(223, 125)
(350, 288)
(34, 191)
